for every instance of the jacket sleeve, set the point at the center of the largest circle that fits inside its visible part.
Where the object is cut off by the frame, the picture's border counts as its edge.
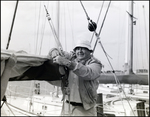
(88, 72)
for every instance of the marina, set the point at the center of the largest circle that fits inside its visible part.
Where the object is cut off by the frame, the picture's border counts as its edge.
(45, 104)
(30, 81)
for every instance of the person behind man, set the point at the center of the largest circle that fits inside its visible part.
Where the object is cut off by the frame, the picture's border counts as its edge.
(84, 73)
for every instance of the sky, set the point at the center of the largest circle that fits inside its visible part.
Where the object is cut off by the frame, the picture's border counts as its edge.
(32, 31)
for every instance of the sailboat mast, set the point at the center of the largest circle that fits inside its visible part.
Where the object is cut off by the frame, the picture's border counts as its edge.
(12, 25)
(131, 42)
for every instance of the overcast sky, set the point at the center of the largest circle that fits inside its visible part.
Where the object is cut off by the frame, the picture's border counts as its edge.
(33, 34)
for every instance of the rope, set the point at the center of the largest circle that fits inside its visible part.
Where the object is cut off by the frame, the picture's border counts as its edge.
(104, 50)
(38, 28)
(42, 32)
(100, 32)
(118, 45)
(116, 79)
(53, 29)
(22, 110)
(12, 24)
(71, 26)
(35, 31)
(64, 77)
(65, 29)
(102, 25)
(97, 20)
(90, 22)
(9, 108)
(88, 18)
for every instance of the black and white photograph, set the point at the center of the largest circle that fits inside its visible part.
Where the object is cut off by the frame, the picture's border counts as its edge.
(74, 58)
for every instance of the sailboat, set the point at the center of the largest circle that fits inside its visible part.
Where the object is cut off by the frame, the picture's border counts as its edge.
(27, 64)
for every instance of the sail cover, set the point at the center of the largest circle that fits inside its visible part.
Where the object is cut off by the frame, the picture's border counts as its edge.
(20, 66)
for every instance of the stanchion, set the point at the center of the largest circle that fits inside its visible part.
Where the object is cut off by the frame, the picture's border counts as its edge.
(99, 106)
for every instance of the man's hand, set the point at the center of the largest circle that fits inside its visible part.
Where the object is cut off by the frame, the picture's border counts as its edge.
(67, 55)
(53, 53)
(62, 61)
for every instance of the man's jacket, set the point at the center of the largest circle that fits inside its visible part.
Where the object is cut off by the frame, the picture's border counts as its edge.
(89, 74)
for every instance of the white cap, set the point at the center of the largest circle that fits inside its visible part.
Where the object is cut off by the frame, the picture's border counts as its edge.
(83, 43)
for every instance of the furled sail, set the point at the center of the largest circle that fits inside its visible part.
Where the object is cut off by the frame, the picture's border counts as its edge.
(20, 66)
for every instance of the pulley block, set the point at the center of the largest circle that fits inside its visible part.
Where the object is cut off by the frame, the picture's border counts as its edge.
(92, 26)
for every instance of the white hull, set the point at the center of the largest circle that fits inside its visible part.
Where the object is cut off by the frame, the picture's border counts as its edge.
(48, 105)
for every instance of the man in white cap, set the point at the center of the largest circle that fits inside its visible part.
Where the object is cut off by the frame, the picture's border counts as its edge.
(84, 73)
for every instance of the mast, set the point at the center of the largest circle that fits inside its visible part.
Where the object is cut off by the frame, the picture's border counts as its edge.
(131, 42)
(12, 24)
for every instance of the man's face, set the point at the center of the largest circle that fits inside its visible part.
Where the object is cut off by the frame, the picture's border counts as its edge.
(82, 53)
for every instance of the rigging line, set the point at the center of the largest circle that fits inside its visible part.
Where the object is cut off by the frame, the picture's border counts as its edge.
(104, 18)
(53, 29)
(22, 110)
(65, 30)
(9, 38)
(51, 24)
(40, 46)
(92, 24)
(123, 31)
(145, 31)
(102, 25)
(97, 20)
(54, 33)
(9, 108)
(38, 28)
(140, 41)
(42, 33)
(117, 64)
(88, 18)
(101, 29)
(109, 62)
(36, 49)
(71, 24)
(35, 31)
(104, 50)
(43, 30)
(136, 48)
(117, 80)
